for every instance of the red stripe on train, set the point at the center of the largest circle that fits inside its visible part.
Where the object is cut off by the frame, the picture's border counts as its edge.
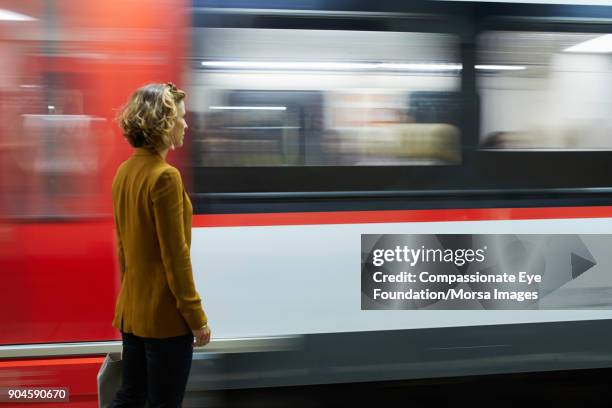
(366, 217)
(51, 362)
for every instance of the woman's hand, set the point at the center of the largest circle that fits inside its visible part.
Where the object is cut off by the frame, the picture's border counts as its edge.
(201, 336)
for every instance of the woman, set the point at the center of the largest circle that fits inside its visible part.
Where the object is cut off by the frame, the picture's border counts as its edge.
(158, 311)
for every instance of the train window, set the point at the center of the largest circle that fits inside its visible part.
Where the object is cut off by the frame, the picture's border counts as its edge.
(53, 152)
(545, 90)
(280, 97)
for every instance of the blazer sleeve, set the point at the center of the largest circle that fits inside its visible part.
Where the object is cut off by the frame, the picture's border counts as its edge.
(120, 252)
(167, 197)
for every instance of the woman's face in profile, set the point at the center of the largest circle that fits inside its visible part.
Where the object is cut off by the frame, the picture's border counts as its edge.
(178, 132)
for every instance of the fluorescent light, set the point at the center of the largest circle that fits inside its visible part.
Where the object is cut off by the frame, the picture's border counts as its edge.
(420, 67)
(7, 15)
(501, 67)
(601, 44)
(288, 65)
(329, 65)
(279, 108)
(50, 107)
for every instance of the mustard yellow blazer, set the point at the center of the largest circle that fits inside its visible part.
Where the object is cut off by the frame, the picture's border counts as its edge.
(158, 297)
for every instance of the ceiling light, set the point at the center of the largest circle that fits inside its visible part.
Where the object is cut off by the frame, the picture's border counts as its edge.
(501, 67)
(601, 44)
(288, 65)
(414, 67)
(420, 67)
(7, 15)
(280, 108)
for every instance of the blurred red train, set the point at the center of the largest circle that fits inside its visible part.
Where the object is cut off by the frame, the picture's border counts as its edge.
(66, 67)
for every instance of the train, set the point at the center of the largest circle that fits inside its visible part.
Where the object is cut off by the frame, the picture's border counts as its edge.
(311, 125)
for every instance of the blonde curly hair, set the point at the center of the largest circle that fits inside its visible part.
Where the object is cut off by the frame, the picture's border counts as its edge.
(150, 114)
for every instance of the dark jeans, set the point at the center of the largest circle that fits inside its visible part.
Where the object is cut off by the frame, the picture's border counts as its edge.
(154, 370)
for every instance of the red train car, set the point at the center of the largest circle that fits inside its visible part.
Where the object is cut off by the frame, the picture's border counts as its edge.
(67, 66)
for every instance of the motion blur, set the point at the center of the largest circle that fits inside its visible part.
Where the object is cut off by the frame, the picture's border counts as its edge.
(309, 125)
